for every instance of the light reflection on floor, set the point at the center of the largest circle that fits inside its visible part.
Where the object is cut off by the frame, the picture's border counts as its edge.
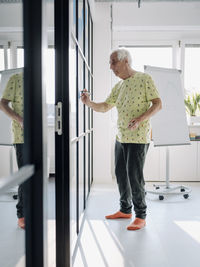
(96, 247)
(192, 228)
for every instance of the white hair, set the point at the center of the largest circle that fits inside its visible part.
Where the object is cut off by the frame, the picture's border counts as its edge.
(123, 54)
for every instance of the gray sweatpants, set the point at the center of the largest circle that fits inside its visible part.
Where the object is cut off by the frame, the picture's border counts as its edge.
(129, 163)
(20, 203)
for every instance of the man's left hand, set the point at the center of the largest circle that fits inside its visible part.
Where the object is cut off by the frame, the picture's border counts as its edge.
(133, 124)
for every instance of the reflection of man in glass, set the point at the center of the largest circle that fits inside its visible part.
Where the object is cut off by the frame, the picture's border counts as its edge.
(14, 94)
(136, 99)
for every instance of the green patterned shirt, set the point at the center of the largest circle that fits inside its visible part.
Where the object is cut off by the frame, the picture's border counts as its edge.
(14, 93)
(132, 97)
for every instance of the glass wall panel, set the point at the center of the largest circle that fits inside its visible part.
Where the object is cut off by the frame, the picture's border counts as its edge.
(73, 134)
(72, 93)
(73, 196)
(86, 30)
(87, 75)
(91, 46)
(80, 87)
(91, 138)
(81, 177)
(74, 17)
(89, 39)
(91, 159)
(80, 23)
(80, 117)
(86, 165)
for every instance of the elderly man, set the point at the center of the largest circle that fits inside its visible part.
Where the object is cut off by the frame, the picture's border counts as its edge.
(136, 99)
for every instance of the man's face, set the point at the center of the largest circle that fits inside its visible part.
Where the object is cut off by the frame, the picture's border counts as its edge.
(118, 67)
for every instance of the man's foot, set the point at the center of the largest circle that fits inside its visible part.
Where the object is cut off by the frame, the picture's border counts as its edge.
(21, 223)
(136, 224)
(119, 215)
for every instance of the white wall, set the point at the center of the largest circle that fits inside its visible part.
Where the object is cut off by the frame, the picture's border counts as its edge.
(102, 83)
(11, 15)
(156, 14)
(153, 21)
(11, 22)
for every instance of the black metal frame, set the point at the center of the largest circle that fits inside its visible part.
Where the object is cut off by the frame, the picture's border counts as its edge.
(34, 137)
(84, 116)
(33, 131)
(77, 128)
(62, 142)
(80, 59)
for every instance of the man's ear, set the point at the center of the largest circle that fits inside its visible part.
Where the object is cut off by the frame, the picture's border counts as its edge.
(126, 60)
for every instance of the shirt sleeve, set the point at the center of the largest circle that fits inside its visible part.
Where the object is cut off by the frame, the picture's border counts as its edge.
(112, 98)
(151, 90)
(9, 92)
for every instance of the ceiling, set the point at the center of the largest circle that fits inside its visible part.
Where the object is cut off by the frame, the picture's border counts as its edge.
(19, 1)
(147, 1)
(10, 1)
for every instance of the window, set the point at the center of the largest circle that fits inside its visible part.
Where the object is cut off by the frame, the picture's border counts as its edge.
(192, 67)
(20, 57)
(2, 63)
(8, 56)
(159, 56)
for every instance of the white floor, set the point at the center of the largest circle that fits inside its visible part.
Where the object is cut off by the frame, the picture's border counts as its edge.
(170, 239)
(11, 237)
(12, 243)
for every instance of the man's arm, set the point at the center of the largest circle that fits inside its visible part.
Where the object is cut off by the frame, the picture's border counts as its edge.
(11, 113)
(99, 107)
(156, 106)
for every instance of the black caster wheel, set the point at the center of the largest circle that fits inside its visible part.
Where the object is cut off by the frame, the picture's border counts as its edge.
(145, 193)
(186, 196)
(157, 187)
(15, 197)
(182, 190)
(161, 197)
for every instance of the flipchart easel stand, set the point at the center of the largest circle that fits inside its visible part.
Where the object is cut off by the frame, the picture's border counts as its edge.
(169, 189)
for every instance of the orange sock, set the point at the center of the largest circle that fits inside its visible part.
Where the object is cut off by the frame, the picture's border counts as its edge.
(119, 215)
(136, 224)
